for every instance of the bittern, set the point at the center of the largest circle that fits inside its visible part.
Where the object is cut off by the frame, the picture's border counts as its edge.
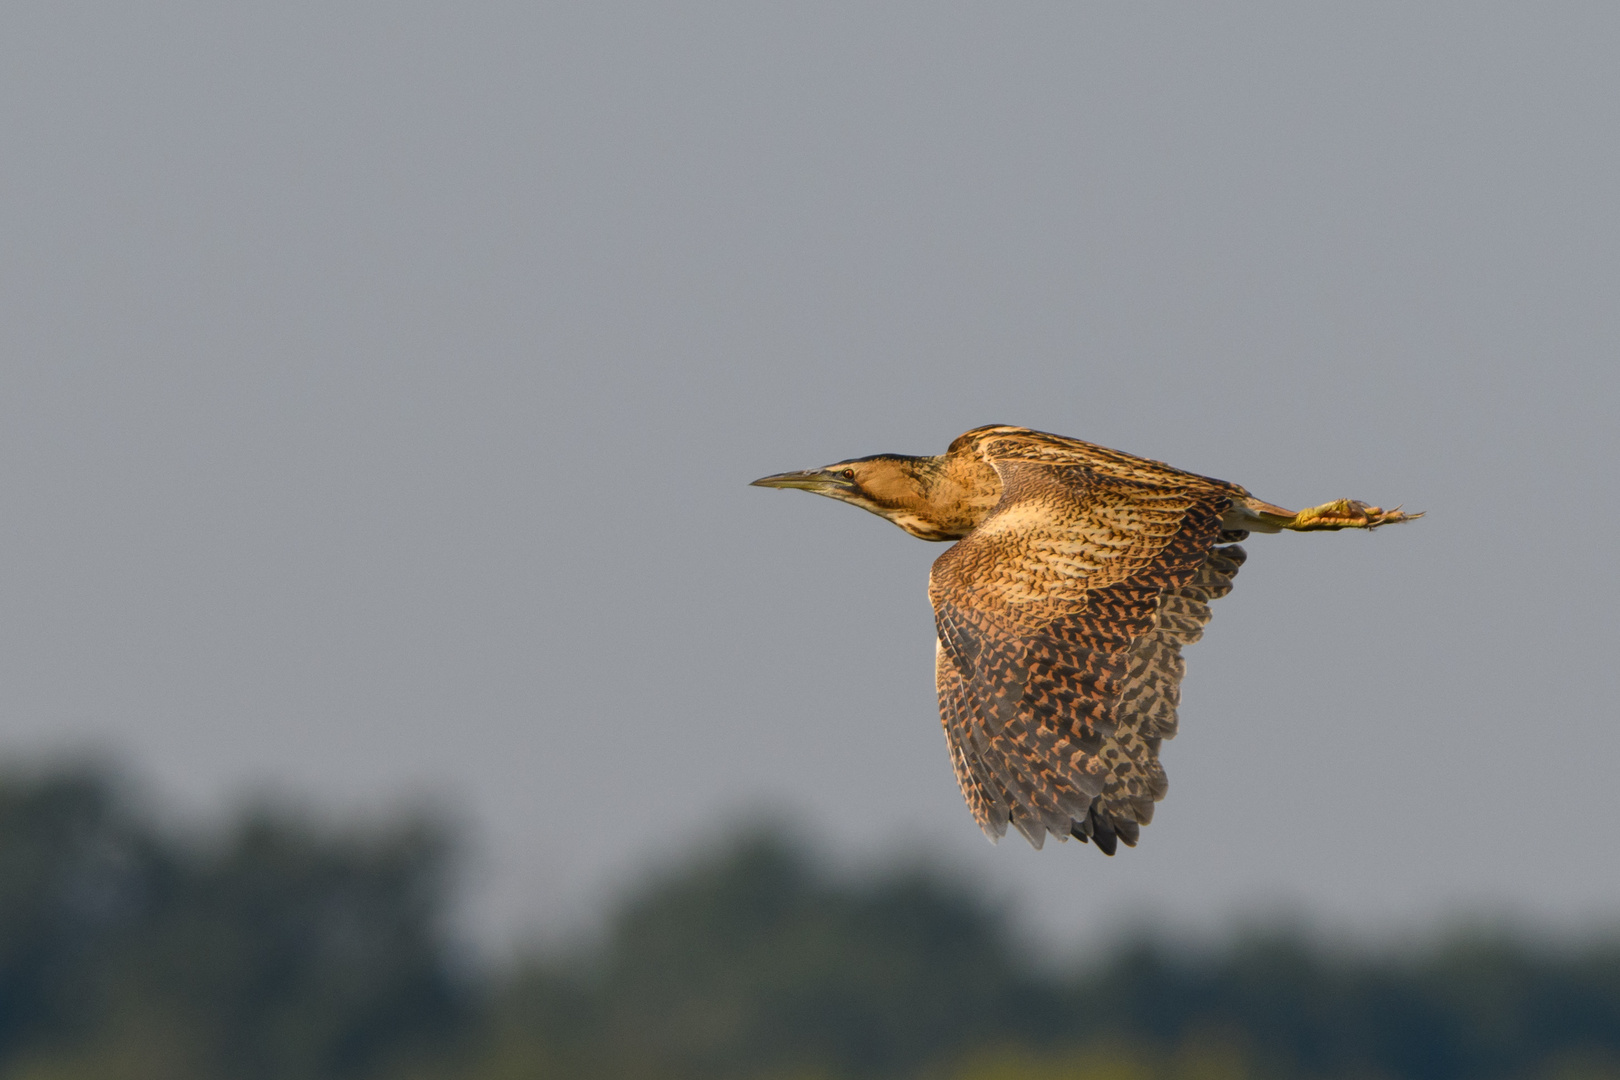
(1078, 574)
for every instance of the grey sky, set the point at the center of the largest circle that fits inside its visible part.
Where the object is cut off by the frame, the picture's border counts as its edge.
(381, 384)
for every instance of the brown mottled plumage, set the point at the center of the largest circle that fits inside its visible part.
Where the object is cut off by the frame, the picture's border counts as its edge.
(1061, 613)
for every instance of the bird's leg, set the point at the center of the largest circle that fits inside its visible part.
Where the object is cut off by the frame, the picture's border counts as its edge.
(1347, 514)
(1339, 514)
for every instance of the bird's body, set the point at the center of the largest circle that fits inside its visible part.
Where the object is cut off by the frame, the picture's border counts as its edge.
(1079, 573)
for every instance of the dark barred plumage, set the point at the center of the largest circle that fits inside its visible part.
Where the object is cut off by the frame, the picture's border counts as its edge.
(1061, 613)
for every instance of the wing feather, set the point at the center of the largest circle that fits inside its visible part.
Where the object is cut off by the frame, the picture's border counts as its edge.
(1060, 623)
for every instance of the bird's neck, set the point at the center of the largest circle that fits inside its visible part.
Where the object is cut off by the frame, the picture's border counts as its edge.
(951, 494)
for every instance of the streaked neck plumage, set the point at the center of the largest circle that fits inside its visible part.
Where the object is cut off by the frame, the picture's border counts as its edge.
(942, 497)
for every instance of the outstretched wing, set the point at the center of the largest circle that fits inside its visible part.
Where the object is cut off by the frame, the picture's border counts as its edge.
(1060, 622)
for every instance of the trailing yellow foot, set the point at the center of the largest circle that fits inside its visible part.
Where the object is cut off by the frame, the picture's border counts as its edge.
(1346, 514)
(1339, 514)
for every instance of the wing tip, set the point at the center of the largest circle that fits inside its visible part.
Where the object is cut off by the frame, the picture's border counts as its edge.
(1101, 829)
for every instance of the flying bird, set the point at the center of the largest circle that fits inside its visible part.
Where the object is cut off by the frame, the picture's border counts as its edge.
(1078, 574)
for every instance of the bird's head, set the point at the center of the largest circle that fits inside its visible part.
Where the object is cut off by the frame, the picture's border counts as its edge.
(897, 487)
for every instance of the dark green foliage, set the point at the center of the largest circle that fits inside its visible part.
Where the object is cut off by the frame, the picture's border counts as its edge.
(755, 961)
(755, 964)
(1478, 1008)
(76, 875)
(275, 952)
(281, 951)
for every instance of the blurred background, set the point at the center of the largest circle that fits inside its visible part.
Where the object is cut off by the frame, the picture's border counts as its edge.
(400, 679)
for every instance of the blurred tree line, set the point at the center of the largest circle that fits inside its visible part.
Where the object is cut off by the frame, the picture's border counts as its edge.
(275, 950)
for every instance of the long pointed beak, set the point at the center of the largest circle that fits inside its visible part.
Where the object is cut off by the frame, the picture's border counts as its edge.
(819, 481)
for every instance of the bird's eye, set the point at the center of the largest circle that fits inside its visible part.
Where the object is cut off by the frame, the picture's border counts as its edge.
(849, 474)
